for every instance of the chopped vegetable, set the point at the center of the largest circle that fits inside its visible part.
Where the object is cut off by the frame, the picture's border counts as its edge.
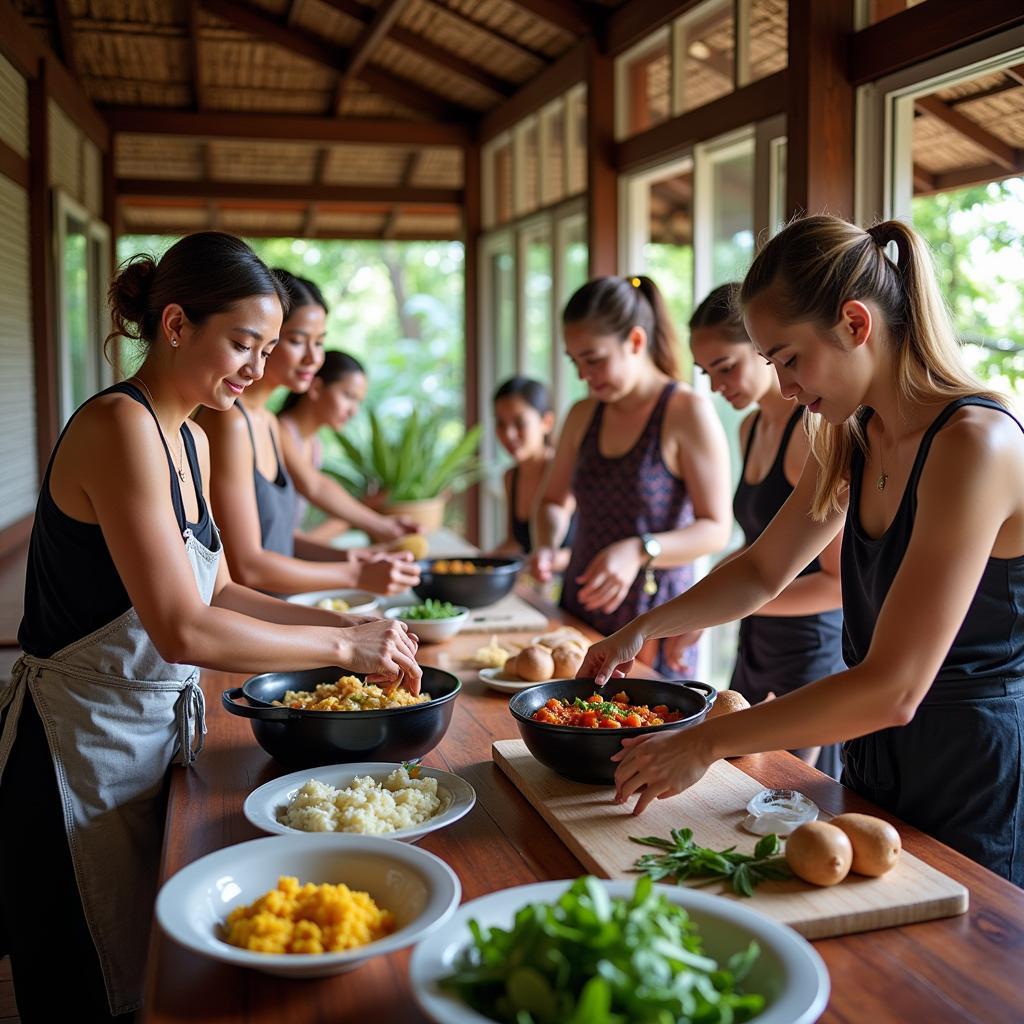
(588, 958)
(597, 713)
(431, 609)
(683, 859)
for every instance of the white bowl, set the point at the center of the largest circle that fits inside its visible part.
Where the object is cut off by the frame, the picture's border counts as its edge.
(431, 631)
(262, 805)
(496, 679)
(419, 888)
(789, 971)
(360, 602)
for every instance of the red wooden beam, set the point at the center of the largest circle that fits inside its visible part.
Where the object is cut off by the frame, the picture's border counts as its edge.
(602, 179)
(472, 229)
(137, 187)
(13, 165)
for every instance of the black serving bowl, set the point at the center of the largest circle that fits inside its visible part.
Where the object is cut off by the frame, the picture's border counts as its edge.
(493, 579)
(584, 755)
(308, 739)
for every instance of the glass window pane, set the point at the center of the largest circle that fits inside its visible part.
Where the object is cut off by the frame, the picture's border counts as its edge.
(768, 37)
(648, 86)
(79, 359)
(574, 275)
(503, 184)
(503, 314)
(707, 52)
(732, 182)
(537, 304)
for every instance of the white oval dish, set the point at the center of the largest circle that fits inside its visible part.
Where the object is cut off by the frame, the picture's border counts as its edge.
(360, 602)
(419, 888)
(789, 970)
(431, 631)
(261, 806)
(496, 679)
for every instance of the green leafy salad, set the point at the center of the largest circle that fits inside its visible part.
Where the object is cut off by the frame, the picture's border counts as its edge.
(590, 958)
(431, 609)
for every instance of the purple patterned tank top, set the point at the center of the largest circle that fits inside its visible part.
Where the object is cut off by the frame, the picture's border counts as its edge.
(623, 497)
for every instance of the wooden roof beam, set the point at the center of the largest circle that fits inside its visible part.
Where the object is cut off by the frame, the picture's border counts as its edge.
(924, 181)
(374, 31)
(1016, 73)
(325, 234)
(569, 15)
(195, 56)
(411, 167)
(66, 35)
(1001, 152)
(968, 177)
(284, 127)
(492, 30)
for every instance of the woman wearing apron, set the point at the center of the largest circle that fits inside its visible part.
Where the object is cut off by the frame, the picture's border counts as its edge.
(126, 592)
(927, 472)
(796, 638)
(644, 457)
(254, 498)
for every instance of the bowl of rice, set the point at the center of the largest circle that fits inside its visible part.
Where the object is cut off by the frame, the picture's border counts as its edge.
(330, 716)
(403, 802)
(286, 906)
(347, 602)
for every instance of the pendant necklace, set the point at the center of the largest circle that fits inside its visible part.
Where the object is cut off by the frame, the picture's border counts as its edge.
(883, 477)
(152, 403)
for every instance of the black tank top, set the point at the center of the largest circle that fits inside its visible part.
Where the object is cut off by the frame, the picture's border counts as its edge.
(72, 586)
(520, 528)
(755, 505)
(990, 643)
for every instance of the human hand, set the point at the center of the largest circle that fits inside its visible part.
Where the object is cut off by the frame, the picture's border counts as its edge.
(386, 529)
(542, 564)
(408, 525)
(610, 574)
(614, 655)
(658, 766)
(388, 574)
(385, 651)
(674, 650)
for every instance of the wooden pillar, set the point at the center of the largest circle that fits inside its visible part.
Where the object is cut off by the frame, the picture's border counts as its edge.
(44, 341)
(112, 218)
(472, 218)
(602, 182)
(820, 118)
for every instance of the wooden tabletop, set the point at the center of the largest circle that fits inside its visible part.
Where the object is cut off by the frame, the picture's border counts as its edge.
(966, 968)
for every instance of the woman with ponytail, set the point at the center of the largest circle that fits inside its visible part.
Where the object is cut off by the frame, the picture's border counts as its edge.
(126, 597)
(644, 457)
(926, 470)
(254, 496)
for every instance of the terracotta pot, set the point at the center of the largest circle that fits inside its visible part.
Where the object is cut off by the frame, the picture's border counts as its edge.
(429, 512)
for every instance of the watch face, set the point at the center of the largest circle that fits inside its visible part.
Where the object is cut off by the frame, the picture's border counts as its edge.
(651, 546)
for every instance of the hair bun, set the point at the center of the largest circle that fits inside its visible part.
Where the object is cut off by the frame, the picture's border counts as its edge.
(129, 295)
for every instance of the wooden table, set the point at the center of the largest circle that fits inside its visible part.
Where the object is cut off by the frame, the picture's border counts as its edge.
(966, 968)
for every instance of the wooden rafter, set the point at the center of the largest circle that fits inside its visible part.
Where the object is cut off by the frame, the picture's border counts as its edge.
(425, 48)
(309, 224)
(1016, 73)
(439, 7)
(66, 35)
(412, 164)
(967, 177)
(369, 39)
(924, 181)
(128, 188)
(568, 15)
(195, 56)
(273, 30)
(295, 11)
(174, 230)
(1002, 153)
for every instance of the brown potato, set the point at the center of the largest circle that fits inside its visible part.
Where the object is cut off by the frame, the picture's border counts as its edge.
(819, 853)
(726, 702)
(535, 664)
(511, 667)
(567, 659)
(876, 844)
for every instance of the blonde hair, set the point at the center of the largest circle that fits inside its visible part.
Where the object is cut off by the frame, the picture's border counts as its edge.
(812, 268)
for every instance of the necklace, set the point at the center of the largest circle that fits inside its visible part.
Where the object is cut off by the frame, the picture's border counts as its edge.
(152, 402)
(883, 477)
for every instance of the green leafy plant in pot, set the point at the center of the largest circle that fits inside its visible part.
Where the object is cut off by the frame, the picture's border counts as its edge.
(411, 467)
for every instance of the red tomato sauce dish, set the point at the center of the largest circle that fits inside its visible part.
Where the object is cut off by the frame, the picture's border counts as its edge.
(597, 713)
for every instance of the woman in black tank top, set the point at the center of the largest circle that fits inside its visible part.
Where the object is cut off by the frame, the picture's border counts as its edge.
(927, 472)
(797, 637)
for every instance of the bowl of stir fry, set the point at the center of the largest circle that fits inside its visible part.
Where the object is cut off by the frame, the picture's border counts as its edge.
(574, 727)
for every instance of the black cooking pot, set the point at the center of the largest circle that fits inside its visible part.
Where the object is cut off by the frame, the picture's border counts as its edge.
(308, 739)
(494, 578)
(584, 755)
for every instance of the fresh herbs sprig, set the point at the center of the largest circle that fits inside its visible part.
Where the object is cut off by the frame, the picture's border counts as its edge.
(431, 609)
(682, 859)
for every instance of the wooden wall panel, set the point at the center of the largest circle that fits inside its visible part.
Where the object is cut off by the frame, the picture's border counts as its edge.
(13, 108)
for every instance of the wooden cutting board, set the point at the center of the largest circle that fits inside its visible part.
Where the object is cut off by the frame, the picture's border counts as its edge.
(597, 831)
(509, 615)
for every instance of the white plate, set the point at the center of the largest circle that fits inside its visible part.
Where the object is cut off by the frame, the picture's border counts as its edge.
(497, 680)
(417, 887)
(789, 970)
(360, 602)
(261, 806)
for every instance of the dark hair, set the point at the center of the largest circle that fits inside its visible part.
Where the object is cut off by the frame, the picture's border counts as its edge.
(335, 366)
(531, 391)
(301, 291)
(721, 310)
(204, 273)
(615, 305)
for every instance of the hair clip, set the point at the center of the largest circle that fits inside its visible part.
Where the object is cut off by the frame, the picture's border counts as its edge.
(635, 282)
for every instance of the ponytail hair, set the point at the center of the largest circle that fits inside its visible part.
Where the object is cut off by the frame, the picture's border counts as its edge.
(721, 311)
(205, 273)
(814, 266)
(615, 305)
(335, 366)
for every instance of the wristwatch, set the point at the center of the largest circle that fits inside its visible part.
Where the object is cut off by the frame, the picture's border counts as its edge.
(652, 548)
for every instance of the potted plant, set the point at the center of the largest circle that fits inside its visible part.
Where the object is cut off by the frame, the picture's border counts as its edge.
(412, 466)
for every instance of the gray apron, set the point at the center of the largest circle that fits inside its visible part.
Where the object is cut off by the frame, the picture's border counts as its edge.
(115, 714)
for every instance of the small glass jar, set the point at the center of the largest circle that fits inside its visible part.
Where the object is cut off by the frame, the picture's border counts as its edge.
(779, 811)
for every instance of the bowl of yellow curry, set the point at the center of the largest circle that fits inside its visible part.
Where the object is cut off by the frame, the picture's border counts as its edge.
(283, 905)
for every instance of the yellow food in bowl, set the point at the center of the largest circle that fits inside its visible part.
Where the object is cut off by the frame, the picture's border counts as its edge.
(350, 694)
(308, 919)
(491, 656)
(458, 567)
(333, 604)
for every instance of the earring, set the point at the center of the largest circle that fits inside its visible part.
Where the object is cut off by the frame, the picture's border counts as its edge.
(174, 342)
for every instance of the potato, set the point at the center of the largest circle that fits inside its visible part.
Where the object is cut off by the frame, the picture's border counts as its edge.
(819, 853)
(511, 667)
(726, 702)
(567, 659)
(535, 664)
(876, 844)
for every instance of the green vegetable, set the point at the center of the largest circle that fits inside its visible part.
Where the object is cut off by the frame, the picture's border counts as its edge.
(588, 958)
(683, 858)
(431, 609)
